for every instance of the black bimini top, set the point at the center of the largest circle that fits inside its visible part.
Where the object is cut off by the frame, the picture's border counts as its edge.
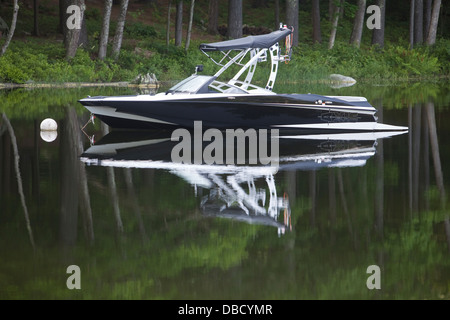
(260, 41)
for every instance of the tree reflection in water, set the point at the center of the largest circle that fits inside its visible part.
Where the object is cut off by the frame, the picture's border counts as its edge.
(186, 231)
(228, 197)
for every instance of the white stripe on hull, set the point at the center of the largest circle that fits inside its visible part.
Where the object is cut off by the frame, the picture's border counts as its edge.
(200, 168)
(111, 148)
(111, 112)
(360, 136)
(365, 126)
(353, 109)
(173, 97)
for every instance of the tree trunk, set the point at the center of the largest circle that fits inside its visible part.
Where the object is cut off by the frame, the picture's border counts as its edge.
(331, 9)
(112, 188)
(417, 151)
(292, 18)
(411, 24)
(435, 147)
(431, 36)
(179, 23)
(13, 138)
(379, 180)
(83, 38)
(426, 158)
(378, 34)
(342, 192)
(213, 16)
(358, 24)
(135, 204)
(85, 203)
(11, 30)
(332, 197)
(235, 19)
(113, 193)
(62, 16)
(410, 161)
(105, 30)
(72, 35)
(447, 230)
(313, 197)
(418, 22)
(168, 23)
(35, 17)
(277, 14)
(83, 195)
(191, 17)
(341, 11)
(69, 178)
(426, 17)
(317, 36)
(117, 43)
(334, 25)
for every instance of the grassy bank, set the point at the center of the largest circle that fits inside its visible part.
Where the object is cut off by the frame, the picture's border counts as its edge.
(32, 61)
(42, 59)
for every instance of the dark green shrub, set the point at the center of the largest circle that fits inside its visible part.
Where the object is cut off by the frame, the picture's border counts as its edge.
(139, 30)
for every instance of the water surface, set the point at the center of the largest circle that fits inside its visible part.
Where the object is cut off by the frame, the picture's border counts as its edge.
(161, 232)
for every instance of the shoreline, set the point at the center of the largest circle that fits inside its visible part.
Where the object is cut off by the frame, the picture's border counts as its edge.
(159, 84)
(77, 85)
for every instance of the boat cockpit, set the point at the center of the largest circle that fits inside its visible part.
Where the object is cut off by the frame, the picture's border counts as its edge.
(198, 84)
(234, 52)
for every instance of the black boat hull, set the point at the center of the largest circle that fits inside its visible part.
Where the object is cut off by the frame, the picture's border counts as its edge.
(287, 113)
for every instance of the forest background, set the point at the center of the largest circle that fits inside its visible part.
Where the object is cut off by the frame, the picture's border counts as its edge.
(122, 41)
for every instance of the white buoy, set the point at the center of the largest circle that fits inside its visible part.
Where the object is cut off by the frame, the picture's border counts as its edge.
(49, 129)
(49, 125)
(49, 135)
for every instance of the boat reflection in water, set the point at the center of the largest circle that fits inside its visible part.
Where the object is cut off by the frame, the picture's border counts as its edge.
(235, 191)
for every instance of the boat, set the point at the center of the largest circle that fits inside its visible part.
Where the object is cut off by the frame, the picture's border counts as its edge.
(153, 149)
(237, 103)
(232, 188)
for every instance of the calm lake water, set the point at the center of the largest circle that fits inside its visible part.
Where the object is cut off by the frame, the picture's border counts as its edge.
(149, 230)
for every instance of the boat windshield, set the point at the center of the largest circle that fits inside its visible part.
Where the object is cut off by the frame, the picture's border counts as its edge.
(192, 84)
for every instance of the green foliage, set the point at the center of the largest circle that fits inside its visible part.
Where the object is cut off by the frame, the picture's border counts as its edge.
(139, 30)
(441, 50)
(144, 50)
(350, 9)
(93, 14)
(411, 62)
(47, 63)
(9, 71)
(392, 64)
(135, 15)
